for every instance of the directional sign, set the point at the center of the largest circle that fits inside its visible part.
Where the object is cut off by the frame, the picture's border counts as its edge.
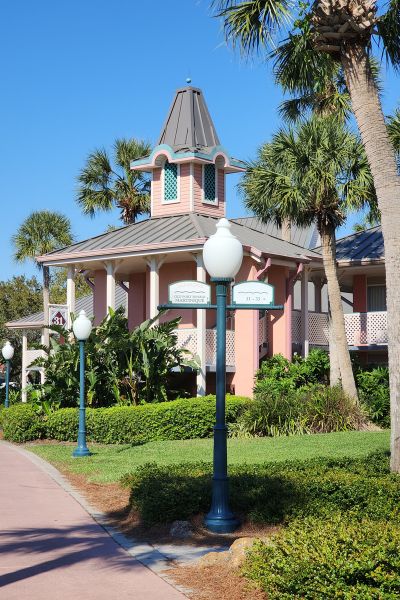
(254, 293)
(189, 292)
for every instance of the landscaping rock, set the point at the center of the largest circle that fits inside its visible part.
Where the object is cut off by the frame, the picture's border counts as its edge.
(214, 558)
(181, 529)
(239, 548)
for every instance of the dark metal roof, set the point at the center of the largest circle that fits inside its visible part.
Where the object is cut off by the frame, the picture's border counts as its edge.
(179, 228)
(189, 125)
(85, 303)
(307, 237)
(363, 245)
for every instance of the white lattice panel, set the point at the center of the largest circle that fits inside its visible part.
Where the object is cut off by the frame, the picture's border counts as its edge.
(296, 327)
(318, 329)
(187, 338)
(366, 328)
(211, 347)
(263, 331)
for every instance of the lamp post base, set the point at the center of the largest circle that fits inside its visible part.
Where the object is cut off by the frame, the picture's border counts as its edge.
(81, 451)
(221, 524)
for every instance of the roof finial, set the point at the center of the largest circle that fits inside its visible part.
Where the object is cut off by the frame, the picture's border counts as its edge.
(188, 80)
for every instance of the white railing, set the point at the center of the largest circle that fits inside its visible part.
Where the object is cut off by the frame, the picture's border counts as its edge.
(187, 338)
(263, 331)
(362, 329)
(368, 328)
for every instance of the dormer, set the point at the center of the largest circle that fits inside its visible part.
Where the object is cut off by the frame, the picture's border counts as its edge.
(188, 165)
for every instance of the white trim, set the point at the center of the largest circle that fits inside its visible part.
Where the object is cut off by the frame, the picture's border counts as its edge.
(191, 186)
(110, 285)
(152, 194)
(204, 201)
(178, 184)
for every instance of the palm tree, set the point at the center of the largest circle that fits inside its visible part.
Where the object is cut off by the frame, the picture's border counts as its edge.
(343, 31)
(313, 174)
(105, 183)
(42, 232)
(393, 124)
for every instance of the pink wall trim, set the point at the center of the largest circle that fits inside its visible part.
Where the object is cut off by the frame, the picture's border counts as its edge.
(160, 209)
(277, 319)
(100, 296)
(360, 293)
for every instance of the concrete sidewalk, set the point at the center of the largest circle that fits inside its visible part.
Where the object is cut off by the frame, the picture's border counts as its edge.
(51, 549)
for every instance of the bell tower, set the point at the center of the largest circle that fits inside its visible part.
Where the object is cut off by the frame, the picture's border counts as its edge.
(188, 165)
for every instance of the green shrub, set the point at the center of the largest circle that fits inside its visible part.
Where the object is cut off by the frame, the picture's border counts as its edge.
(373, 387)
(329, 559)
(21, 423)
(309, 409)
(176, 420)
(271, 493)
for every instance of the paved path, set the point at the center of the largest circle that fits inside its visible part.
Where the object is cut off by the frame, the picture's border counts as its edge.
(51, 549)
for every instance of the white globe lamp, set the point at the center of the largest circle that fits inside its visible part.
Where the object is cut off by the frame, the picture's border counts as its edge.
(7, 351)
(222, 252)
(82, 327)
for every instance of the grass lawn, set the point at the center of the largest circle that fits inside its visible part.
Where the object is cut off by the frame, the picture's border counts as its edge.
(109, 463)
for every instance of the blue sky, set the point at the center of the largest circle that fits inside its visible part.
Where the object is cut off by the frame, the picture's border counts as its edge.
(78, 74)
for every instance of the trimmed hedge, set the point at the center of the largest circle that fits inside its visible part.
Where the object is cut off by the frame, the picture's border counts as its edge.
(21, 423)
(177, 420)
(270, 493)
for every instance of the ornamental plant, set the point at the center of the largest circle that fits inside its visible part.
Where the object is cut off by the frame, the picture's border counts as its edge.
(123, 367)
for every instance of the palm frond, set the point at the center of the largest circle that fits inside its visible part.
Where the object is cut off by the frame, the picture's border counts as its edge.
(388, 27)
(42, 232)
(253, 23)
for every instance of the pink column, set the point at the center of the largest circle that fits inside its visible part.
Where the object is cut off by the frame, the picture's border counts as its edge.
(246, 338)
(287, 310)
(100, 296)
(277, 319)
(360, 293)
(136, 299)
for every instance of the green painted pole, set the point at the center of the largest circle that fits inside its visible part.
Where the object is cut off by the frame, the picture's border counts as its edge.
(7, 402)
(220, 519)
(82, 449)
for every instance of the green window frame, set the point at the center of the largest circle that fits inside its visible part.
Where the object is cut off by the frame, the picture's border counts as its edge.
(210, 184)
(171, 173)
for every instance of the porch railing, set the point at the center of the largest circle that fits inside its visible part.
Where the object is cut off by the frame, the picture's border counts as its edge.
(187, 338)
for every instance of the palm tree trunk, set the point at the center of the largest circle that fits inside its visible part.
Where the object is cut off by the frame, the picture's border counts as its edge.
(368, 112)
(337, 317)
(46, 300)
(334, 367)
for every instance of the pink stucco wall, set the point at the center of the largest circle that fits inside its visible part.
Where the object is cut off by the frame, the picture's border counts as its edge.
(100, 296)
(360, 293)
(199, 205)
(246, 338)
(137, 299)
(277, 319)
(172, 208)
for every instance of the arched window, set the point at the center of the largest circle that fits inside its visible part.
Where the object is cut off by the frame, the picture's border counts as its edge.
(171, 182)
(210, 184)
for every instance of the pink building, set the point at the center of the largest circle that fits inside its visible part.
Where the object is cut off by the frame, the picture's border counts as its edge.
(188, 168)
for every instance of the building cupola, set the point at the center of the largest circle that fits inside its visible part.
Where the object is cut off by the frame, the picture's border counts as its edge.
(188, 165)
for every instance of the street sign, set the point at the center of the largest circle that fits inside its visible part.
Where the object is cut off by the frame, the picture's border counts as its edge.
(254, 293)
(189, 292)
(58, 314)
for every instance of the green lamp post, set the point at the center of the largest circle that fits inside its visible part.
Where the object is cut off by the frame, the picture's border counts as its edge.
(82, 328)
(222, 255)
(7, 352)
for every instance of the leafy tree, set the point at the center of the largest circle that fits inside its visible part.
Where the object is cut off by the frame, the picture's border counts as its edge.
(19, 297)
(58, 286)
(122, 366)
(106, 182)
(343, 31)
(313, 174)
(42, 232)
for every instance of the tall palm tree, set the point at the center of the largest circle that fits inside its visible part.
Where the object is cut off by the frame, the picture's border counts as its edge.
(107, 182)
(313, 174)
(343, 31)
(42, 232)
(393, 124)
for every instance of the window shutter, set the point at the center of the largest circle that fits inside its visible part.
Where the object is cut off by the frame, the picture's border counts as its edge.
(209, 183)
(170, 182)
